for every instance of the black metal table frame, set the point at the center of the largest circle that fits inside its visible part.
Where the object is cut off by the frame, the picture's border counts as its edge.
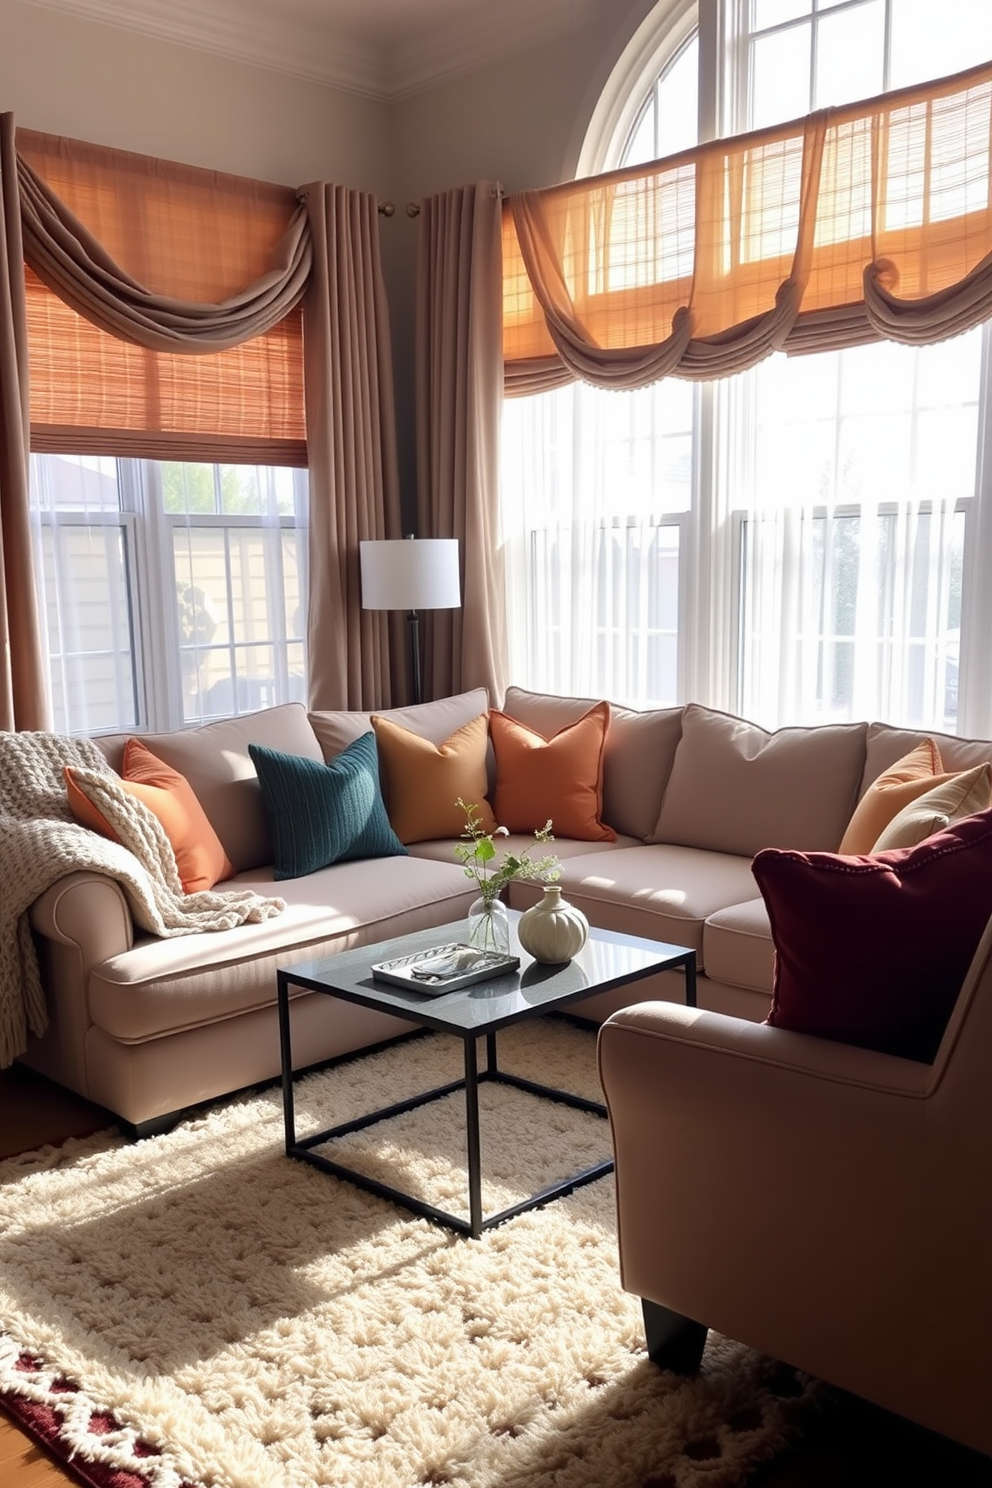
(302, 1148)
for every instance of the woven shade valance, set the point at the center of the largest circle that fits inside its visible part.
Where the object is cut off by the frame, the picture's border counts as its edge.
(871, 220)
(130, 256)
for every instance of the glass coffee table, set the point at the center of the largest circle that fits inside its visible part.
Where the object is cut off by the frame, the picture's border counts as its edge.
(607, 961)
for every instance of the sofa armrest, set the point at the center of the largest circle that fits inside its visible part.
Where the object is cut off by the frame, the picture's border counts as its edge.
(88, 911)
(790, 1054)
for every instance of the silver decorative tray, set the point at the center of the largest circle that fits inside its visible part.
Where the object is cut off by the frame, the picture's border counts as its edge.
(444, 968)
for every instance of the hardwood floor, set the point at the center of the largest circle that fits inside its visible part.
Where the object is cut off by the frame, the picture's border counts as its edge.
(854, 1445)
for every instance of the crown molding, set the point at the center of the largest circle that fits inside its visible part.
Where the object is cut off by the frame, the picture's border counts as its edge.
(288, 42)
(303, 51)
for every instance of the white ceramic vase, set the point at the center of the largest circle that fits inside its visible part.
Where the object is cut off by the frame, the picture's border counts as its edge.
(552, 930)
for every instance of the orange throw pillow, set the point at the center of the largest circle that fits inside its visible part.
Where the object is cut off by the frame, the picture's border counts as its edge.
(560, 777)
(905, 781)
(200, 858)
(422, 781)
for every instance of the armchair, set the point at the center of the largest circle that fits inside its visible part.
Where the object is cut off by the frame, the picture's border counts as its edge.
(828, 1205)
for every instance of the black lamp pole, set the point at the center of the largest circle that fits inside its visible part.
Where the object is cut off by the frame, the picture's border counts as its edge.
(413, 624)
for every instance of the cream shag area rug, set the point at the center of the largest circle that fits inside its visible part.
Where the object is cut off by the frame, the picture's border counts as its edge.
(198, 1308)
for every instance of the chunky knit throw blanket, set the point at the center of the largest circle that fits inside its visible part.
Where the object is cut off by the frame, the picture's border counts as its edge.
(40, 843)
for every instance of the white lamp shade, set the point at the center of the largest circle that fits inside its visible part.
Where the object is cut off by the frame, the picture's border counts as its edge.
(410, 573)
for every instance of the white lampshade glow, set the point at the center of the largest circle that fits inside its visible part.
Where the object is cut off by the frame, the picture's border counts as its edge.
(410, 573)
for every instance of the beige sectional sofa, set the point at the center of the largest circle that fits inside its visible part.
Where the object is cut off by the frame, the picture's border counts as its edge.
(146, 1026)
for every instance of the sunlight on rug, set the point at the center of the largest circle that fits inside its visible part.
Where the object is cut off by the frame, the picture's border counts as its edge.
(197, 1308)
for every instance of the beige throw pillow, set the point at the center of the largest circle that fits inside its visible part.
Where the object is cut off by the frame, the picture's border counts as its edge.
(950, 801)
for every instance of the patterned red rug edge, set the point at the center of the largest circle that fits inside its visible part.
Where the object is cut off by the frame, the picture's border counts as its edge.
(38, 1409)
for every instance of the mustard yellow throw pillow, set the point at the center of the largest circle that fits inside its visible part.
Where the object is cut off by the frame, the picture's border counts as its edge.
(962, 795)
(423, 781)
(905, 781)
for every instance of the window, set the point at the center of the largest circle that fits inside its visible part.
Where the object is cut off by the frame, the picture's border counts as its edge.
(826, 520)
(172, 592)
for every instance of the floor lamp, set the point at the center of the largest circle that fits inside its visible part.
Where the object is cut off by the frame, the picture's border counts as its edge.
(412, 574)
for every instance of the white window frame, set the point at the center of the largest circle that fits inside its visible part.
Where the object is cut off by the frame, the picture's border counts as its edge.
(149, 580)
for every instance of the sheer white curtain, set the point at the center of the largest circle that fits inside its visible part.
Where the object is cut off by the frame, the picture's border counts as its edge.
(860, 488)
(596, 488)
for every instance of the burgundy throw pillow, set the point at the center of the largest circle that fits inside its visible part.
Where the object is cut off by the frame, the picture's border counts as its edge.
(873, 950)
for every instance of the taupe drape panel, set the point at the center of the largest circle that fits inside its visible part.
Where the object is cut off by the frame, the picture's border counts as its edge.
(459, 391)
(351, 444)
(871, 220)
(23, 697)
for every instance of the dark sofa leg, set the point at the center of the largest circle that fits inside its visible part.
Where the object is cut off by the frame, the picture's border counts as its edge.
(674, 1342)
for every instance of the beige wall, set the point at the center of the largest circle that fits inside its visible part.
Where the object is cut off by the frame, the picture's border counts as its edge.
(76, 77)
(520, 122)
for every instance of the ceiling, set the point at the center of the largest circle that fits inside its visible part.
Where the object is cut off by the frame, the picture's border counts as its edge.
(383, 49)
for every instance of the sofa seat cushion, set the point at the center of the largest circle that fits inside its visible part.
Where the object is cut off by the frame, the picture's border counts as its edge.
(738, 947)
(660, 892)
(162, 986)
(442, 848)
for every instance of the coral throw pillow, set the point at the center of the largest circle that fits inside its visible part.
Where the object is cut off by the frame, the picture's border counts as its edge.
(422, 782)
(560, 777)
(873, 950)
(200, 857)
(905, 781)
(323, 814)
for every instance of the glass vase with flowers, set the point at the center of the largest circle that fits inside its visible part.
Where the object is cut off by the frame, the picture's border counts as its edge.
(489, 925)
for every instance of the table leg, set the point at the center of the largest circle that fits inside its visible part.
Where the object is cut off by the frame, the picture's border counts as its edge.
(492, 1064)
(690, 982)
(286, 1052)
(473, 1139)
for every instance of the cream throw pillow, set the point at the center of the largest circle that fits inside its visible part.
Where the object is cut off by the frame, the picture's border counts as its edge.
(961, 796)
(909, 778)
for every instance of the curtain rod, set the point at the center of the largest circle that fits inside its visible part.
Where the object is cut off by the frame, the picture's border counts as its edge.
(413, 208)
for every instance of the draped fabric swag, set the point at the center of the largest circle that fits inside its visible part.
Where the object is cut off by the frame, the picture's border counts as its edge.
(458, 392)
(868, 221)
(174, 298)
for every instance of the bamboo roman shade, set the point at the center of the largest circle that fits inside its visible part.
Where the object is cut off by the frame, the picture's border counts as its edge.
(176, 246)
(871, 220)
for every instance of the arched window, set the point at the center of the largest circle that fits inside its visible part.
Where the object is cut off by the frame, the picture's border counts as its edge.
(804, 541)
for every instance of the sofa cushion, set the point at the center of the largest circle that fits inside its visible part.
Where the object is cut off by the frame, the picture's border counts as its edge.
(886, 744)
(962, 795)
(904, 781)
(161, 986)
(873, 950)
(736, 787)
(738, 949)
(320, 813)
(423, 782)
(662, 893)
(558, 778)
(214, 759)
(200, 858)
(637, 759)
(436, 721)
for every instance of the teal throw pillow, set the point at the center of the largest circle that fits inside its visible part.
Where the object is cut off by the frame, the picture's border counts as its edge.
(322, 814)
